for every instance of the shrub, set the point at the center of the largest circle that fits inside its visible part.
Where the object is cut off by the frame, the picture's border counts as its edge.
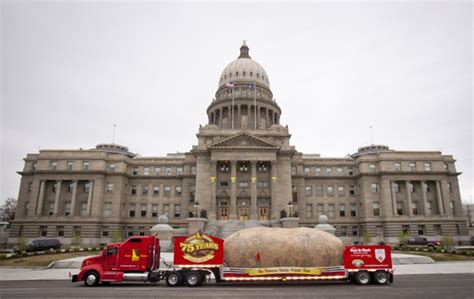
(366, 237)
(448, 242)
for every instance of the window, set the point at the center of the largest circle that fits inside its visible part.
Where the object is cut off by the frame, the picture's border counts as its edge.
(339, 171)
(340, 191)
(308, 190)
(167, 191)
(427, 166)
(343, 231)
(412, 166)
(451, 206)
(179, 170)
(375, 188)
(141, 231)
(168, 171)
(145, 190)
(60, 231)
(262, 167)
(83, 208)
(429, 208)
(43, 231)
(372, 168)
(224, 167)
(110, 187)
(177, 190)
(353, 210)
(328, 171)
(262, 184)
(398, 166)
(396, 188)
(318, 171)
(67, 208)
(414, 208)
(193, 169)
(449, 188)
(342, 210)
(223, 184)
(243, 184)
(351, 190)
(166, 210)
(307, 171)
(320, 209)
(33, 166)
(30, 186)
(146, 171)
(331, 210)
(112, 167)
(376, 208)
(294, 170)
(379, 230)
(309, 211)
(70, 188)
(143, 210)
(421, 230)
(51, 208)
(157, 171)
(355, 231)
(319, 191)
(406, 229)
(135, 171)
(85, 165)
(54, 165)
(243, 167)
(437, 229)
(69, 165)
(330, 190)
(131, 210)
(399, 208)
(107, 209)
(55, 187)
(156, 190)
(425, 187)
(105, 232)
(350, 171)
(446, 167)
(154, 211)
(87, 187)
(133, 190)
(177, 211)
(27, 208)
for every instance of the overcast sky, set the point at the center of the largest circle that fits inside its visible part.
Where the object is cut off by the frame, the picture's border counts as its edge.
(69, 71)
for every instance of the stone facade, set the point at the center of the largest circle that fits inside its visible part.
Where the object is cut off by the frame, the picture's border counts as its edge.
(242, 168)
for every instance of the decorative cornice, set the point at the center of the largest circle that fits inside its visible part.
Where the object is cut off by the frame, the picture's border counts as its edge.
(101, 172)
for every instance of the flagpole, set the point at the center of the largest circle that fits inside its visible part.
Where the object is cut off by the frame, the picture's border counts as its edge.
(233, 97)
(255, 105)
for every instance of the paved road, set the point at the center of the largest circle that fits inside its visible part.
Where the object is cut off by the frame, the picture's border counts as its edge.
(406, 286)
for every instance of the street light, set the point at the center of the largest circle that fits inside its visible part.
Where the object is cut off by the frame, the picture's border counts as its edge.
(196, 209)
(290, 207)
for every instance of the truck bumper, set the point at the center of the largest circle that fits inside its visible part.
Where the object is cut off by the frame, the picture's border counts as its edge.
(75, 278)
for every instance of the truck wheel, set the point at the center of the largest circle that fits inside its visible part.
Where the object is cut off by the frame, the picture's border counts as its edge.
(91, 279)
(381, 277)
(362, 278)
(193, 279)
(174, 279)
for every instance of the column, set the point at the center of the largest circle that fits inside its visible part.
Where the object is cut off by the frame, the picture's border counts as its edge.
(258, 117)
(394, 198)
(253, 191)
(274, 211)
(238, 119)
(221, 118)
(408, 190)
(56, 197)
(39, 209)
(446, 198)
(89, 198)
(233, 190)
(213, 204)
(423, 197)
(74, 198)
(439, 199)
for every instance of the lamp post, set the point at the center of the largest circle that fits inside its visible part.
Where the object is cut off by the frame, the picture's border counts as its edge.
(290, 208)
(196, 209)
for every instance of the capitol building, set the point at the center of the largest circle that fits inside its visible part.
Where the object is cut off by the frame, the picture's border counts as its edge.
(243, 169)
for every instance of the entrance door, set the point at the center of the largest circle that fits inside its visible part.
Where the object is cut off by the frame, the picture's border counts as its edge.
(224, 213)
(263, 213)
(243, 213)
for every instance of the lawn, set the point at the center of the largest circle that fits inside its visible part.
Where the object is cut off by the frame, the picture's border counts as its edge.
(440, 257)
(42, 260)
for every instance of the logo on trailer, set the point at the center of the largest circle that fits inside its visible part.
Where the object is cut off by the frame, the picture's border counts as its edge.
(199, 248)
(380, 254)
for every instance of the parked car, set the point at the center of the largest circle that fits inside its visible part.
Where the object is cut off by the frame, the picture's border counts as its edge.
(42, 245)
(420, 241)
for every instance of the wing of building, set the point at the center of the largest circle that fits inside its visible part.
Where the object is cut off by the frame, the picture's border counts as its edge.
(242, 170)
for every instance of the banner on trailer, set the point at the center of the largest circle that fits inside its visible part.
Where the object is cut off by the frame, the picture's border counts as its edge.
(198, 249)
(283, 270)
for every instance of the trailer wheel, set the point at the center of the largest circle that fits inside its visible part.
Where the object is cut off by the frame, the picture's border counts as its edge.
(174, 279)
(91, 279)
(194, 279)
(362, 278)
(381, 277)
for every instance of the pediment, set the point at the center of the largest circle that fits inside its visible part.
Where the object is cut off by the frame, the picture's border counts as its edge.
(243, 140)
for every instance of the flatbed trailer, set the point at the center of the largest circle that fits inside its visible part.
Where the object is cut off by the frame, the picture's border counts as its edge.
(200, 256)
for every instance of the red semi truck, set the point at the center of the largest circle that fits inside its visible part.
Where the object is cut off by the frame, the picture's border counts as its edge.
(198, 256)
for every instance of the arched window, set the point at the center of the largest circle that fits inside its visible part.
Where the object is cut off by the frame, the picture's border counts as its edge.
(236, 74)
(230, 75)
(244, 73)
(258, 75)
(251, 74)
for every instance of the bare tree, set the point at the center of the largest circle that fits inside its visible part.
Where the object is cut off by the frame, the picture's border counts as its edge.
(7, 211)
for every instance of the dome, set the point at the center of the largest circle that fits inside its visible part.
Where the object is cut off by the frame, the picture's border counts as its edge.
(244, 70)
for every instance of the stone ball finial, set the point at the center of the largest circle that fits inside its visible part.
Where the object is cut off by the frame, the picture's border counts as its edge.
(323, 219)
(163, 219)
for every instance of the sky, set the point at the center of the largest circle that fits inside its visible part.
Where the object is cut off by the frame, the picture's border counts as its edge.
(71, 70)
